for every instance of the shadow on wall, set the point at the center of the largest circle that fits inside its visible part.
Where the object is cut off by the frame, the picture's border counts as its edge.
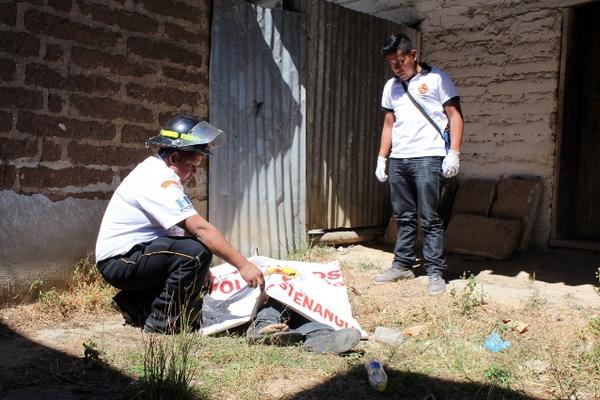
(29, 370)
(404, 385)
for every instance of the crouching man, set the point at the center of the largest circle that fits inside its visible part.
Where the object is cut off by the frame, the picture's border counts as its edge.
(152, 243)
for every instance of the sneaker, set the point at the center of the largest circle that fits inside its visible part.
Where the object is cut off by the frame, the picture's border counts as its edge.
(436, 285)
(132, 313)
(395, 274)
(330, 341)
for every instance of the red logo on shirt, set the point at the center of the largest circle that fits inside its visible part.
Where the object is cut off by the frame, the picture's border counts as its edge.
(423, 88)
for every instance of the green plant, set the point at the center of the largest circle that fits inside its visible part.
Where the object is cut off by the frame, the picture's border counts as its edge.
(91, 353)
(168, 367)
(47, 298)
(497, 375)
(467, 300)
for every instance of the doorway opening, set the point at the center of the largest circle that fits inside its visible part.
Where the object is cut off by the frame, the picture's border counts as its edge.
(576, 216)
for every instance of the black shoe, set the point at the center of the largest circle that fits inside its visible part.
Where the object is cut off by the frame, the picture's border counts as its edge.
(133, 313)
(331, 341)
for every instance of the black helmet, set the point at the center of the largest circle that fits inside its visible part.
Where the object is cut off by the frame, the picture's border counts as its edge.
(186, 133)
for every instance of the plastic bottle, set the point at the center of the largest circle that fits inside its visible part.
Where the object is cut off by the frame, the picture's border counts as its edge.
(377, 376)
(389, 336)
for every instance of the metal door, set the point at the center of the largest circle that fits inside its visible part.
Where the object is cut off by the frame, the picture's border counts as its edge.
(257, 96)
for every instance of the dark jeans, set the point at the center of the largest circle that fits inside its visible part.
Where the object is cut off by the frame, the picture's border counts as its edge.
(164, 276)
(415, 189)
(274, 312)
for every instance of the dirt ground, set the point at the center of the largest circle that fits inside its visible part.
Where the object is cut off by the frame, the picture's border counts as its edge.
(45, 360)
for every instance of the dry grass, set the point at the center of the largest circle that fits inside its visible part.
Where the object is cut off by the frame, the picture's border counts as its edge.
(87, 293)
(557, 357)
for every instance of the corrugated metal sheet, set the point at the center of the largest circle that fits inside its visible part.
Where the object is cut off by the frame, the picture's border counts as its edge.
(346, 75)
(257, 96)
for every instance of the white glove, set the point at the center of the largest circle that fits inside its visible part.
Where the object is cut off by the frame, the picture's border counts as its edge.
(451, 164)
(380, 170)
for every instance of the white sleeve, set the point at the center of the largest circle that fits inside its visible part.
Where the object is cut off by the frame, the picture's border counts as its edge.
(447, 90)
(166, 203)
(385, 97)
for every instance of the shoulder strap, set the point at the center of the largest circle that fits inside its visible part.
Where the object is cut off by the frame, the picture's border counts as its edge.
(420, 108)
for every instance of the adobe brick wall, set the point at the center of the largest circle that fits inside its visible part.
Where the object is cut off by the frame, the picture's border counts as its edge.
(83, 83)
(504, 57)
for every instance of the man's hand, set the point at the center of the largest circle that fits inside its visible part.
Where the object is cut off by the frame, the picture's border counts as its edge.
(451, 164)
(380, 170)
(252, 275)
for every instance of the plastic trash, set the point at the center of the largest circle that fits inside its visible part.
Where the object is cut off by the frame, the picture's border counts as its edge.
(377, 376)
(389, 336)
(495, 343)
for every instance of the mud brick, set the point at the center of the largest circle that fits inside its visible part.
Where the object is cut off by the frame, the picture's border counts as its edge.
(156, 50)
(474, 196)
(182, 75)
(162, 94)
(178, 33)
(63, 28)
(130, 21)
(50, 151)
(8, 15)
(55, 103)
(53, 52)
(136, 134)
(45, 125)
(43, 177)
(174, 9)
(110, 109)
(482, 236)
(41, 75)
(11, 149)
(6, 120)
(7, 70)
(21, 98)
(115, 63)
(61, 5)
(19, 44)
(8, 174)
(518, 198)
(105, 155)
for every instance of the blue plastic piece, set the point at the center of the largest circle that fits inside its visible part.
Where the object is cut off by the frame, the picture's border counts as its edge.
(494, 343)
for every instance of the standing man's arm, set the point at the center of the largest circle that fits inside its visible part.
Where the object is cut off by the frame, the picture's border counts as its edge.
(454, 113)
(204, 231)
(386, 134)
(386, 145)
(451, 163)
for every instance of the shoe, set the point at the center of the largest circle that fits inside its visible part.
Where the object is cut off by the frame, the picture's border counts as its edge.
(132, 313)
(330, 341)
(395, 274)
(436, 285)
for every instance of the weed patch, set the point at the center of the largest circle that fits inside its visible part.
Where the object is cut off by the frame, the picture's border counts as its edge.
(467, 300)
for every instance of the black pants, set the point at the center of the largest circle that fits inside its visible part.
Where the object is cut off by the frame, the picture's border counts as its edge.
(164, 276)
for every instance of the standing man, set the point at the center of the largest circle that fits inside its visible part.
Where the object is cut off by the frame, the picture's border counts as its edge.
(420, 156)
(152, 243)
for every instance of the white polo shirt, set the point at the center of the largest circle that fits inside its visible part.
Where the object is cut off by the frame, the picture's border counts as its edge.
(412, 134)
(148, 204)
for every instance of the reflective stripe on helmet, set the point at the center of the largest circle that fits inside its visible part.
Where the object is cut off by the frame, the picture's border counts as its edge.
(176, 135)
